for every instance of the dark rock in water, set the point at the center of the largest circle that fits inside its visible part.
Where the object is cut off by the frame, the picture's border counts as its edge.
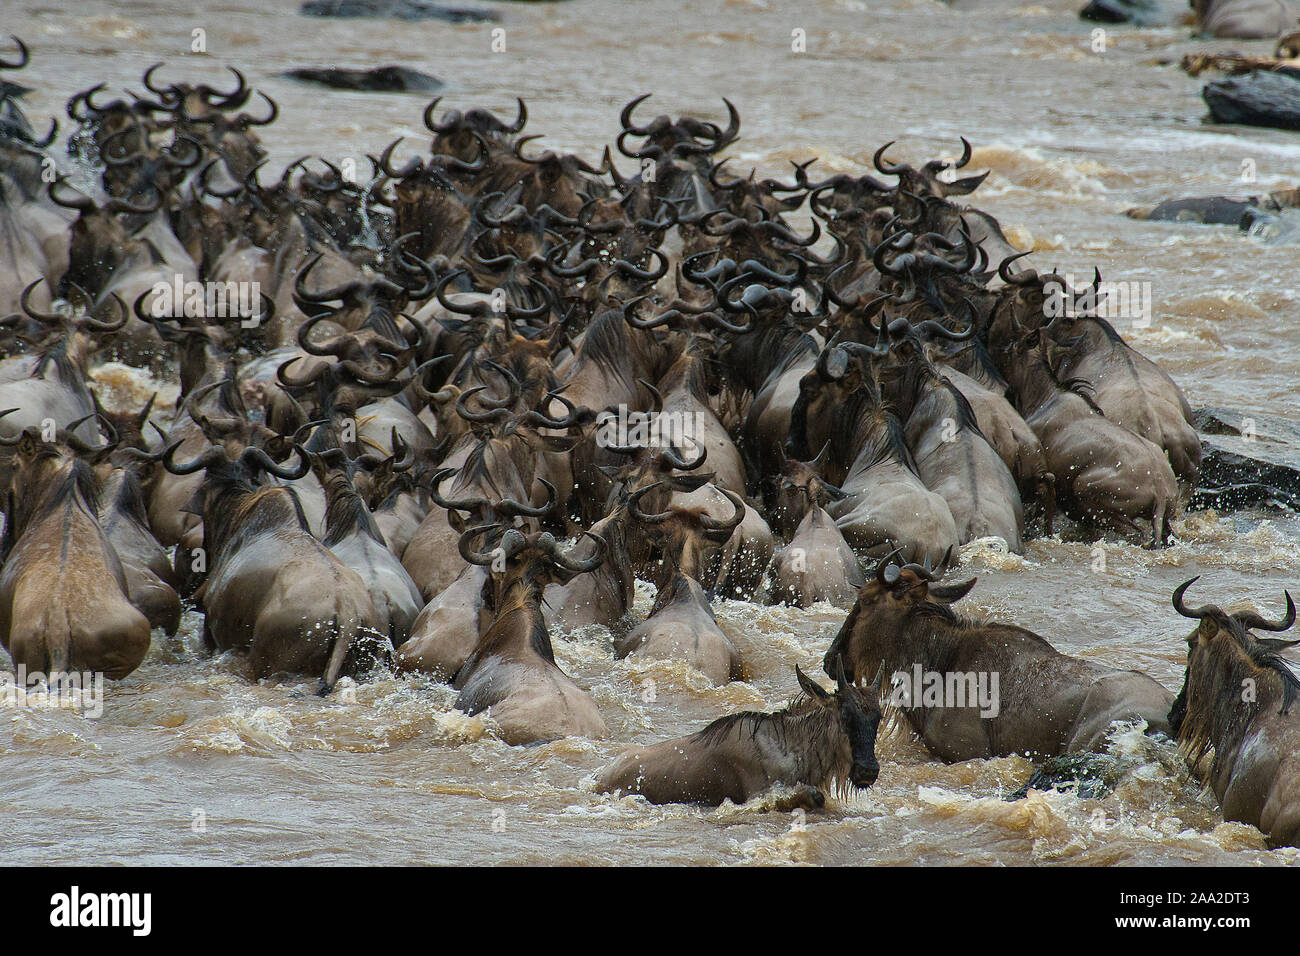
(1089, 776)
(383, 79)
(1140, 13)
(1256, 99)
(1270, 428)
(1248, 461)
(396, 10)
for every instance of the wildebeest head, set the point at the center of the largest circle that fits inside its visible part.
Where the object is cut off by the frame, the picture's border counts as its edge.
(837, 374)
(456, 133)
(1021, 306)
(46, 470)
(534, 560)
(932, 179)
(799, 487)
(687, 136)
(685, 535)
(895, 593)
(99, 241)
(1222, 656)
(859, 714)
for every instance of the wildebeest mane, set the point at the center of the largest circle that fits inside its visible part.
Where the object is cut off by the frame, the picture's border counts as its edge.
(129, 497)
(752, 721)
(920, 373)
(1216, 717)
(65, 369)
(606, 343)
(244, 508)
(75, 478)
(864, 424)
(768, 352)
(946, 630)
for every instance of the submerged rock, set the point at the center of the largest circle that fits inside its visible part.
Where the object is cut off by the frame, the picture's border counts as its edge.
(1140, 13)
(1090, 776)
(382, 79)
(396, 10)
(1262, 98)
(1248, 461)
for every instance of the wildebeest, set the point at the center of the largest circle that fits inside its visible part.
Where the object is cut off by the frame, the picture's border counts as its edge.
(886, 504)
(353, 535)
(681, 625)
(1236, 700)
(1244, 19)
(821, 740)
(1105, 474)
(1040, 702)
(817, 564)
(550, 288)
(271, 587)
(952, 456)
(151, 580)
(512, 674)
(64, 603)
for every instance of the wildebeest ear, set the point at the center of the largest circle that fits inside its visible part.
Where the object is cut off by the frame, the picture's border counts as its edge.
(552, 443)
(810, 686)
(690, 482)
(948, 593)
(195, 505)
(832, 493)
(962, 187)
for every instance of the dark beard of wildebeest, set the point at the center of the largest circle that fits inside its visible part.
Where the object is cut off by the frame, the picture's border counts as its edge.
(1236, 702)
(1047, 703)
(819, 741)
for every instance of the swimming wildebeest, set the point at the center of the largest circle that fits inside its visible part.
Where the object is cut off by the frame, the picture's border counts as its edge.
(1043, 703)
(817, 564)
(512, 672)
(1236, 701)
(818, 740)
(1105, 474)
(272, 588)
(63, 591)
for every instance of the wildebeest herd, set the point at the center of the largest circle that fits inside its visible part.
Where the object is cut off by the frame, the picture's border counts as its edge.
(400, 398)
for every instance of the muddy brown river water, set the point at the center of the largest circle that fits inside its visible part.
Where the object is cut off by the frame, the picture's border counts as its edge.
(194, 762)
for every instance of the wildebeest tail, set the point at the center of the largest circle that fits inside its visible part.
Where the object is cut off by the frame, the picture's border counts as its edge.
(344, 635)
